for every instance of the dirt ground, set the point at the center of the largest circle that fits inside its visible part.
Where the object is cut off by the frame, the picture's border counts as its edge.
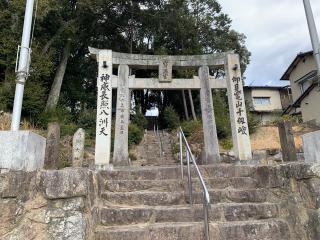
(267, 137)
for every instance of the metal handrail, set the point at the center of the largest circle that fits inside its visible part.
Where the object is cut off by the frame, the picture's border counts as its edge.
(156, 130)
(206, 197)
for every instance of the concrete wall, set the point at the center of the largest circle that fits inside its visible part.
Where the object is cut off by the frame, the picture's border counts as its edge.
(273, 94)
(266, 117)
(305, 66)
(310, 106)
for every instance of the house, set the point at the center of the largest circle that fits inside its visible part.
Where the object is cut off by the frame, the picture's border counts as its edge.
(266, 103)
(302, 74)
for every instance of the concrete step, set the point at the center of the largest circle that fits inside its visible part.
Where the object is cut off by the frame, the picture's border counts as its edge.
(174, 172)
(187, 213)
(271, 229)
(155, 198)
(177, 185)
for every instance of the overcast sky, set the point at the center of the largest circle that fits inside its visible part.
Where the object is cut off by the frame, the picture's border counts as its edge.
(276, 32)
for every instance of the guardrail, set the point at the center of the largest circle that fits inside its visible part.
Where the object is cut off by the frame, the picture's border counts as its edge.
(191, 160)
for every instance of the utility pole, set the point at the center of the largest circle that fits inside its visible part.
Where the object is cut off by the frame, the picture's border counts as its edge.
(23, 64)
(313, 35)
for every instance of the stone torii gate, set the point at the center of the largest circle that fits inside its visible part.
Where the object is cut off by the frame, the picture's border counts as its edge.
(107, 60)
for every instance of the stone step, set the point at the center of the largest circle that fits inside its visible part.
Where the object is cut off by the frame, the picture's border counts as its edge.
(222, 183)
(140, 185)
(271, 229)
(154, 198)
(177, 185)
(187, 213)
(174, 172)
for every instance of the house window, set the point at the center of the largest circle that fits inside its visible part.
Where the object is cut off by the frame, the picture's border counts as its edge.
(262, 101)
(304, 86)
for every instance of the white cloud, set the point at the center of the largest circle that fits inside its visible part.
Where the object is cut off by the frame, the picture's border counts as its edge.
(276, 32)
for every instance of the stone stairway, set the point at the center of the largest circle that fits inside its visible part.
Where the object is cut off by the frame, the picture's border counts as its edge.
(144, 203)
(149, 153)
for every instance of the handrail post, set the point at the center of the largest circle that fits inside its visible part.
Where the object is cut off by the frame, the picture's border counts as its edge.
(189, 179)
(206, 195)
(206, 217)
(181, 153)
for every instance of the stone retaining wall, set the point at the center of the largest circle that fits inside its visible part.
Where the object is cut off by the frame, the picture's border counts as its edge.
(47, 205)
(297, 188)
(62, 205)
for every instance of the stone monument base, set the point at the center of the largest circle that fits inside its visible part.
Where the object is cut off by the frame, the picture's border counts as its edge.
(311, 147)
(21, 150)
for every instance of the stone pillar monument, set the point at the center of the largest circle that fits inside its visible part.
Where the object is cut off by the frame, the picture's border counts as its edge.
(120, 154)
(78, 143)
(237, 108)
(104, 109)
(53, 146)
(211, 144)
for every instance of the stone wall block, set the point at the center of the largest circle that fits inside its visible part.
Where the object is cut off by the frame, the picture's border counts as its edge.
(67, 183)
(17, 184)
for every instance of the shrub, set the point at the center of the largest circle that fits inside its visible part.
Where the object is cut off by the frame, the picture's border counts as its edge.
(133, 156)
(170, 118)
(59, 115)
(135, 134)
(253, 123)
(87, 121)
(293, 119)
(226, 143)
(68, 129)
(140, 120)
(222, 116)
(189, 127)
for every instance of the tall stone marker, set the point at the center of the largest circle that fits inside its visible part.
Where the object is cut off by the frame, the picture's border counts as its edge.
(211, 143)
(120, 154)
(78, 147)
(237, 108)
(288, 148)
(104, 109)
(53, 146)
(311, 147)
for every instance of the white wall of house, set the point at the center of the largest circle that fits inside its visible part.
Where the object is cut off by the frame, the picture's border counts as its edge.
(310, 107)
(273, 95)
(265, 103)
(304, 67)
(310, 104)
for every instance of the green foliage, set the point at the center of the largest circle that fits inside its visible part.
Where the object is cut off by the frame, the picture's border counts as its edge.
(87, 121)
(294, 119)
(135, 135)
(132, 156)
(189, 127)
(170, 118)
(176, 148)
(154, 27)
(61, 116)
(139, 119)
(226, 143)
(253, 123)
(220, 103)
